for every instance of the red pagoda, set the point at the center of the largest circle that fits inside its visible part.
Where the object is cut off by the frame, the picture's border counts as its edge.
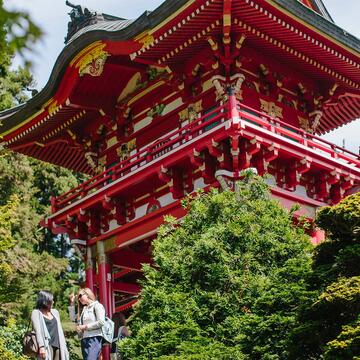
(182, 98)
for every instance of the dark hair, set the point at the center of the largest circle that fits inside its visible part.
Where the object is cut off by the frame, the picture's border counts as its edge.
(119, 318)
(44, 300)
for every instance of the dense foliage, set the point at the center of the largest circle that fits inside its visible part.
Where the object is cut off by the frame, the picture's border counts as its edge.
(330, 326)
(227, 282)
(17, 34)
(234, 281)
(31, 258)
(10, 340)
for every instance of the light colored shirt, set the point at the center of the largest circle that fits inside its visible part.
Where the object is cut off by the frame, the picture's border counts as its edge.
(93, 316)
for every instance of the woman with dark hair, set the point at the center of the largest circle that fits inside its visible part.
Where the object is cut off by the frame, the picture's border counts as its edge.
(120, 332)
(47, 326)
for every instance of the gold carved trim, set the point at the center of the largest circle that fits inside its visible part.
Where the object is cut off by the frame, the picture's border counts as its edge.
(146, 40)
(271, 108)
(124, 150)
(52, 107)
(91, 60)
(191, 112)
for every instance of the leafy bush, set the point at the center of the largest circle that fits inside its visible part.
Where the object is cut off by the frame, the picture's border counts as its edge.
(11, 341)
(227, 281)
(329, 326)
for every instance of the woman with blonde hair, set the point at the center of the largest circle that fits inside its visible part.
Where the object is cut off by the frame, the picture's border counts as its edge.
(47, 326)
(91, 321)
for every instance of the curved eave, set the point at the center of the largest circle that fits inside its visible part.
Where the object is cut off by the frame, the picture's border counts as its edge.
(149, 21)
(327, 28)
(144, 22)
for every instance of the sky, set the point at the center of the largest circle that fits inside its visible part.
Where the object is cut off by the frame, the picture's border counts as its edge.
(51, 16)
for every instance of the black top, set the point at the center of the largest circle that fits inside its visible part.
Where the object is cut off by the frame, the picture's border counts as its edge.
(52, 327)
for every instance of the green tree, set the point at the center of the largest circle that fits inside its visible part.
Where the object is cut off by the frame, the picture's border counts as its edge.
(227, 281)
(34, 258)
(18, 33)
(330, 326)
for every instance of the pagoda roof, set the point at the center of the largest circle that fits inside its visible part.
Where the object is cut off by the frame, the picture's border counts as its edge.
(120, 30)
(128, 37)
(319, 7)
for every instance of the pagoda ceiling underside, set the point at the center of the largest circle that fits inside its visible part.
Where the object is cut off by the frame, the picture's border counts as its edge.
(84, 100)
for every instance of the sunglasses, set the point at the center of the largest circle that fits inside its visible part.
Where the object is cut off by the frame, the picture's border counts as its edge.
(80, 296)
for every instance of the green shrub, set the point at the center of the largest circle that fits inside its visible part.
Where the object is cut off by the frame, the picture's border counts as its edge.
(227, 281)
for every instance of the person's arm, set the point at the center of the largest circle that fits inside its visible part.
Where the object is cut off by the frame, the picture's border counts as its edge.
(35, 321)
(99, 311)
(71, 308)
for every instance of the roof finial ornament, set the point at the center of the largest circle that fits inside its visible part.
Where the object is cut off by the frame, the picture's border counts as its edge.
(79, 18)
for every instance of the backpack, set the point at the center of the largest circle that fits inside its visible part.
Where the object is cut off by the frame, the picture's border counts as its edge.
(107, 330)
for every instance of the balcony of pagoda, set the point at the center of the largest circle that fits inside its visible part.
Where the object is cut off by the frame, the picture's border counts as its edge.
(133, 196)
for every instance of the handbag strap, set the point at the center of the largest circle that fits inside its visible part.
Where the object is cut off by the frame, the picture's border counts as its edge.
(29, 323)
(28, 327)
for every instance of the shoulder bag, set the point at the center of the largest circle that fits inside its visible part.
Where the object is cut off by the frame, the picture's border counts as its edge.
(30, 345)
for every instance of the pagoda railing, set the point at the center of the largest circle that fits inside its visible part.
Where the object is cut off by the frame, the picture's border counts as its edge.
(298, 135)
(249, 117)
(143, 156)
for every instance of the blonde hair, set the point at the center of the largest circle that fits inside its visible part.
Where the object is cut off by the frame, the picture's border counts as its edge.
(88, 292)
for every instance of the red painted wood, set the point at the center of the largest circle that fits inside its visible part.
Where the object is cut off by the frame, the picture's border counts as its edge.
(131, 260)
(133, 289)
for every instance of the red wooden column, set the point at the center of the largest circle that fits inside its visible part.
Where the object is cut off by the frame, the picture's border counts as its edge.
(234, 113)
(104, 279)
(89, 270)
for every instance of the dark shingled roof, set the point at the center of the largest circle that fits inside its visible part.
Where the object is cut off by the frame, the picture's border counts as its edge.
(105, 25)
(321, 23)
(322, 9)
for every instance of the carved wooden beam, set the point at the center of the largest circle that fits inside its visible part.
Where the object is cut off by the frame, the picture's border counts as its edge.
(126, 287)
(279, 175)
(322, 187)
(244, 156)
(130, 210)
(83, 216)
(119, 211)
(292, 177)
(105, 222)
(196, 159)
(254, 145)
(189, 182)
(93, 223)
(214, 148)
(235, 151)
(272, 152)
(107, 203)
(164, 174)
(131, 260)
(304, 165)
(177, 184)
(208, 169)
